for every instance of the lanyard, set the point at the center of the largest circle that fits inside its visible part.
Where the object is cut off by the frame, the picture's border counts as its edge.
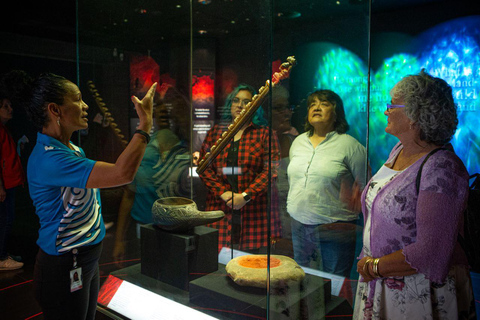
(75, 253)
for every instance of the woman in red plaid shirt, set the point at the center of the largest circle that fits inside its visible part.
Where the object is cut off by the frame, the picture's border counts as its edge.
(238, 179)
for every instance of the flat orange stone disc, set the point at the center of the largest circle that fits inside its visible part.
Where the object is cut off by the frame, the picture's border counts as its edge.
(251, 270)
(258, 262)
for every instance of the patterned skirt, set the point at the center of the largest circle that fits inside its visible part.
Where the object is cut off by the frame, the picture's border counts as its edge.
(416, 297)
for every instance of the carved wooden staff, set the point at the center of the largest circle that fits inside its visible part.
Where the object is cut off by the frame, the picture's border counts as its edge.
(107, 116)
(246, 114)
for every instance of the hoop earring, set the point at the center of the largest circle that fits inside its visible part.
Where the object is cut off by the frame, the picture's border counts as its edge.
(58, 122)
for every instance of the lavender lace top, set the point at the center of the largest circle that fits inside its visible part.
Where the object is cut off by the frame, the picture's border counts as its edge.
(424, 226)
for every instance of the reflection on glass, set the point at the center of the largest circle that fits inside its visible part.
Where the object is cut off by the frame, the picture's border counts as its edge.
(286, 133)
(163, 171)
(237, 180)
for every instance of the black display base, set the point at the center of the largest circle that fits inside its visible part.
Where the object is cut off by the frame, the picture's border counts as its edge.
(334, 307)
(305, 300)
(177, 258)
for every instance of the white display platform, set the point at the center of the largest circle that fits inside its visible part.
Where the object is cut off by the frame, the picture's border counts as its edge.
(137, 303)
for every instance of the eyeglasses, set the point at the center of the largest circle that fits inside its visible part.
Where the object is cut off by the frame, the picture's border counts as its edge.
(239, 101)
(394, 106)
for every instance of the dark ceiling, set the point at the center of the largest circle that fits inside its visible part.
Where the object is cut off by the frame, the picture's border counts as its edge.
(127, 23)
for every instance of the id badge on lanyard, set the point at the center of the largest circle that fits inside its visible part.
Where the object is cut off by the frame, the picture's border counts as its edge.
(76, 277)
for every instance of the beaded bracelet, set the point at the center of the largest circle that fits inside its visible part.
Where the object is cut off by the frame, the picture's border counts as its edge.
(143, 133)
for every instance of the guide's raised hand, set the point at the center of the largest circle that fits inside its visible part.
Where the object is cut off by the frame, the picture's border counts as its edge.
(144, 109)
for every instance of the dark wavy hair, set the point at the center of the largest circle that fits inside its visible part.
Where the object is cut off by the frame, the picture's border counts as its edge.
(429, 105)
(341, 124)
(38, 93)
(258, 118)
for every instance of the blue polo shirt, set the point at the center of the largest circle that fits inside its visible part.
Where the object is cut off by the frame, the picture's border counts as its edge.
(70, 214)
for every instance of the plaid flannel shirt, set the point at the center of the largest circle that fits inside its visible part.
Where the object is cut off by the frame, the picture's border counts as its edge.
(253, 158)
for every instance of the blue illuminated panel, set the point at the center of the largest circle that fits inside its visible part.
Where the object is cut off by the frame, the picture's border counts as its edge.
(450, 51)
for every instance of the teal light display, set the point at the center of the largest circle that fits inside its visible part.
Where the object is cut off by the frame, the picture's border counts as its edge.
(345, 73)
(450, 51)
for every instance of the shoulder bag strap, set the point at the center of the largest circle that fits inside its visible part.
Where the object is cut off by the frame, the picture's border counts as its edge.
(419, 175)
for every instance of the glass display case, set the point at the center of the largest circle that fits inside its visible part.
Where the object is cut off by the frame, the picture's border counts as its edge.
(292, 202)
(270, 120)
(213, 59)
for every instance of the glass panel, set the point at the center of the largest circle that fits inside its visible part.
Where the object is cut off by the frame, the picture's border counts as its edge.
(124, 48)
(320, 119)
(231, 64)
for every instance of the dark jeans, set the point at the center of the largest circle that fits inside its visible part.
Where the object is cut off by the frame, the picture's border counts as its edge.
(52, 284)
(7, 215)
(330, 246)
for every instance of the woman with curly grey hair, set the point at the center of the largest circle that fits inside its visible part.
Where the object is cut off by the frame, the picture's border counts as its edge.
(412, 265)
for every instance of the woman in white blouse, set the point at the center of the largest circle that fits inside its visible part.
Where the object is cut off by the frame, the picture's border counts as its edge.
(326, 164)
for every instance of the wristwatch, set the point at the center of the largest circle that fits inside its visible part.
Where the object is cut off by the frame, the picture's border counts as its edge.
(246, 196)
